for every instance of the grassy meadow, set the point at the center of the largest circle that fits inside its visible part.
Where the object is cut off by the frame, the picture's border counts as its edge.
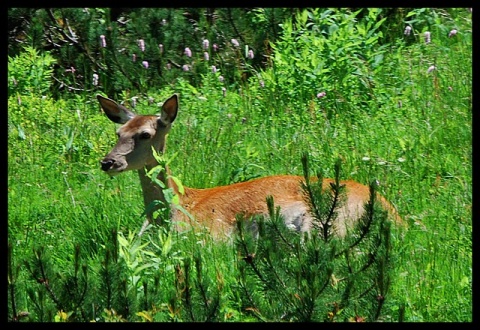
(405, 120)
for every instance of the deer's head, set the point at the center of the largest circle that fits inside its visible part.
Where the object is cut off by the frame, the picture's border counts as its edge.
(137, 135)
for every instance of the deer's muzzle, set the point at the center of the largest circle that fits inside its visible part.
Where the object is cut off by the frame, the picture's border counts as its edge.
(107, 164)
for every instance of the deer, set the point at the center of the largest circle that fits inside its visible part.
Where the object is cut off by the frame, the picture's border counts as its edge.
(216, 208)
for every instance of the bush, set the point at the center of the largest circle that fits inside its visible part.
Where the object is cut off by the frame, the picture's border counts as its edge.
(331, 52)
(30, 72)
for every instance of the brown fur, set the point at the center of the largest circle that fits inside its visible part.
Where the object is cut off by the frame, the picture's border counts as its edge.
(217, 207)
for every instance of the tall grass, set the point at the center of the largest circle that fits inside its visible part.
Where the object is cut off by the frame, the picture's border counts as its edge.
(413, 133)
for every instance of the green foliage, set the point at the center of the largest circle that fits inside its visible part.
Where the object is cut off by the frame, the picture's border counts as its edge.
(412, 130)
(330, 51)
(118, 49)
(316, 276)
(30, 72)
(52, 126)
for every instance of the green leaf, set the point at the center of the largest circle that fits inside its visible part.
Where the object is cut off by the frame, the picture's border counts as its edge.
(122, 241)
(167, 245)
(181, 188)
(379, 23)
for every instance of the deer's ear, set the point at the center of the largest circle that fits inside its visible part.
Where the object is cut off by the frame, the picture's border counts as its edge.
(114, 111)
(169, 109)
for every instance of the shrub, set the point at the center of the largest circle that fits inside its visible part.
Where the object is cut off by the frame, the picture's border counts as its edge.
(30, 72)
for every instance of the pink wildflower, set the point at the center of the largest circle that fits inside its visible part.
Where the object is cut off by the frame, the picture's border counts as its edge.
(205, 44)
(103, 42)
(95, 79)
(141, 44)
(427, 37)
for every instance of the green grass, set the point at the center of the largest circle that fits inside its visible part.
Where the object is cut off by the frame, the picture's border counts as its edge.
(414, 136)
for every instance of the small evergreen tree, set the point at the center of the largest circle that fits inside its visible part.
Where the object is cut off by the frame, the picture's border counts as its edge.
(69, 294)
(316, 276)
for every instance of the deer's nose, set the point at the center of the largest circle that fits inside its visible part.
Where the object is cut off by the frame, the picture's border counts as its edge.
(107, 164)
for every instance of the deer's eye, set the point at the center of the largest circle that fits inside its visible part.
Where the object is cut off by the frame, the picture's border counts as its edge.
(144, 135)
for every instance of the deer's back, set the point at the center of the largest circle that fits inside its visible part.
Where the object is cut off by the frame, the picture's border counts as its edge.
(217, 207)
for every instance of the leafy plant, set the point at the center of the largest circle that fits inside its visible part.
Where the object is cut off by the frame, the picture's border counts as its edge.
(330, 52)
(30, 72)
